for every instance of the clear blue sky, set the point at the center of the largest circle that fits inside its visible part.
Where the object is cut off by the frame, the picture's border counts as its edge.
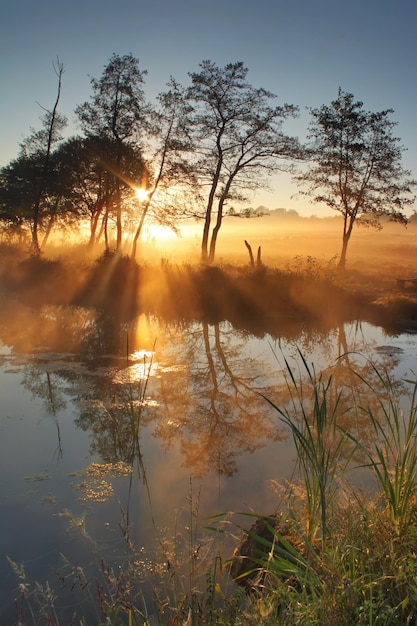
(301, 50)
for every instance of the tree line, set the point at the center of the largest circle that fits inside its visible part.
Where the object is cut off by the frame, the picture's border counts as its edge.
(196, 152)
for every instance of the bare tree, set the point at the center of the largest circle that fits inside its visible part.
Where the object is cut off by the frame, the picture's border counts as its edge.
(40, 145)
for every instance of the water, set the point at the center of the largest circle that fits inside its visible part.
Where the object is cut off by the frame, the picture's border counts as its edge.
(73, 477)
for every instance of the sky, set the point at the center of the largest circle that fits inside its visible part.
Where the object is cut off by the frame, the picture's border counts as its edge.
(301, 50)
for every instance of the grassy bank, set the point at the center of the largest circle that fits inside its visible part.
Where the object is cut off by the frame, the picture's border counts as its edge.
(304, 291)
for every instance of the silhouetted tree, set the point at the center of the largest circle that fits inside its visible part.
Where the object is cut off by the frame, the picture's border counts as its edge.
(18, 190)
(238, 139)
(22, 205)
(356, 165)
(170, 175)
(89, 165)
(33, 169)
(117, 111)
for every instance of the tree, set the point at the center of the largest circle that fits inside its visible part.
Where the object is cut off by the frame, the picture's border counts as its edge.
(238, 140)
(170, 176)
(33, 198)
(356, 165)
(38, 147)
(89, 163)
(88, 188)
(117, 111)
(17, 194)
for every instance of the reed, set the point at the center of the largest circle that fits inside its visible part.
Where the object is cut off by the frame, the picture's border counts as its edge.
(349, 557)
(312, 417)
(393, 457)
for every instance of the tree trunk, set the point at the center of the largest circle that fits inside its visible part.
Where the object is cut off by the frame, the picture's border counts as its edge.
(342, 260)
(258, 257)
(204, 241)
(93, 230)
(219, 220)
(139, 229)
(51, 222)
(213, 240)
(45, 170)
(104, 226)
(99, 235)
(205, 257)
(36, 249)
(118, 218)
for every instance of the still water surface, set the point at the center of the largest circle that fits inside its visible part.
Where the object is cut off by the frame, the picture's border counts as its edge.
(74, 474)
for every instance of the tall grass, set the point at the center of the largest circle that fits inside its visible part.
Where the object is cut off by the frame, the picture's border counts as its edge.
(393, 458)
(312, 417)
(350, 557)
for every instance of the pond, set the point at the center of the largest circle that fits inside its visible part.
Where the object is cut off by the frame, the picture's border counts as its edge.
(116, 433)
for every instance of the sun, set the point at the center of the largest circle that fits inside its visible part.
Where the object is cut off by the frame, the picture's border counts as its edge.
(141, 194)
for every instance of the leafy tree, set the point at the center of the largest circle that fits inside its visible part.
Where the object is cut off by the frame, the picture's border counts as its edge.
(117, 111)
(31, 198)
(17, 194)
(87, 189)
(89, 164)
(356, 165)
(238, 140)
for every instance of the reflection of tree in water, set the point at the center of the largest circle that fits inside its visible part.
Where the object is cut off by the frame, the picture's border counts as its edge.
(49, 387)
(203, 391)
(115, 413)
(361, 379)
(366, 376)
(213, 408)
(114, 408)
(63, 330)
(202, 395)
(50, 328)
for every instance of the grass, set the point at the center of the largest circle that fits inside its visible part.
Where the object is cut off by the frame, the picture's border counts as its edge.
(393, 459)
(337, 556)
(314, 428)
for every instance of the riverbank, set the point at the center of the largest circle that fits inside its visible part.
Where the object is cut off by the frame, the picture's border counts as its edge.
(306, 291)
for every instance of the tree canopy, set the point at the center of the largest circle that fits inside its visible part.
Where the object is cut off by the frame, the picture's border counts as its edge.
(238, 138)
(355, 165)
